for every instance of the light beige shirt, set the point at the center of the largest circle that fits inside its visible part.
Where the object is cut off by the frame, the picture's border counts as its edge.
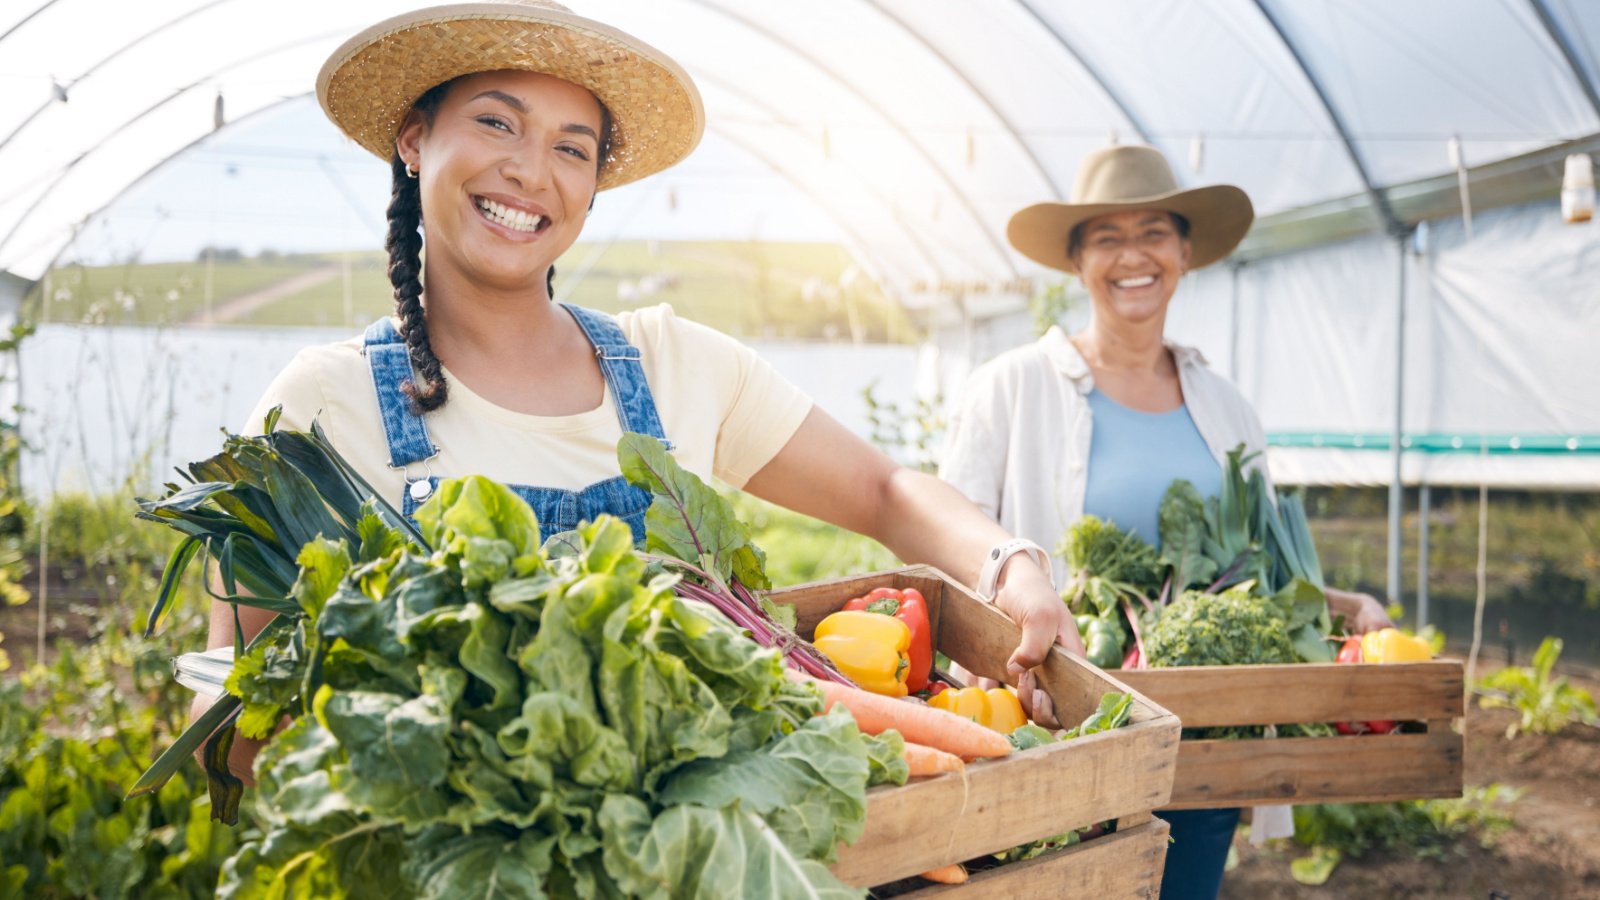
(727, 411)
(1018, 443)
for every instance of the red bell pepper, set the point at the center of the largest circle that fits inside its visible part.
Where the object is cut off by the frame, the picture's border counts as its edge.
(910, 607)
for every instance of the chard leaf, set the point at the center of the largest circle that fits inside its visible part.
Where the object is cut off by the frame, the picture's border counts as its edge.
(1302, 603)
(806, 785)
(442, 865)
(692, 851)
(323, 565)
(1310, 644)
(485, 527)
(1183, 530)
(687, 519)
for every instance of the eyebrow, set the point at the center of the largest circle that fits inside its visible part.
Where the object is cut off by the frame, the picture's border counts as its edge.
(519, 106)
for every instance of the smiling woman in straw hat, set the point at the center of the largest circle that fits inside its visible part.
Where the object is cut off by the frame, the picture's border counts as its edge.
(500, 122)
(1102, 421)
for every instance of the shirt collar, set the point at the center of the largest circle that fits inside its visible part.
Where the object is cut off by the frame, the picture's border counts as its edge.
(1070, 363)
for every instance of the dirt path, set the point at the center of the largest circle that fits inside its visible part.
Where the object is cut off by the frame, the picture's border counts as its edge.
(245, 304)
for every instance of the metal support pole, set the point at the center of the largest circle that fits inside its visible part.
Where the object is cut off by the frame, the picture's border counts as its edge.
(1424, 502)
(1233, 325)
(1396, 494)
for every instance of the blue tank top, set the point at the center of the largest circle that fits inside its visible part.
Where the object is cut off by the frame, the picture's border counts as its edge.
(1134, 456)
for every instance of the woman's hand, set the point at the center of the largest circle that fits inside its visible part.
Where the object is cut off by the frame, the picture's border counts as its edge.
(1027, 597)
(1362, 612)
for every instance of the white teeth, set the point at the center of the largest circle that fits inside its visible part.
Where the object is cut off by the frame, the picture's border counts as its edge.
(515, 219)
(1136, 282)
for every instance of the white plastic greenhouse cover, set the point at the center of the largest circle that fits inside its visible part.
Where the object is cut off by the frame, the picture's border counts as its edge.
(916, 127)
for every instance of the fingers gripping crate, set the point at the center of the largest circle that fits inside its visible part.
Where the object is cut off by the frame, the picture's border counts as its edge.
(1118, 775)
(1421, 759)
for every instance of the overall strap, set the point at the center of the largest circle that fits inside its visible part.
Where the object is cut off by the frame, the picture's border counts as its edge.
(624, 374)
(390, 363)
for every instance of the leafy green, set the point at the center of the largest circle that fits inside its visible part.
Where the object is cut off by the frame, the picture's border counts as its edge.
(688, 520)
(1547, 704)
(489, 718)
(1182, 523)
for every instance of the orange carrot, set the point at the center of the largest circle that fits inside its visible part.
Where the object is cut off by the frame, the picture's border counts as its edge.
(951, 874)
(924, 760)
(916, 722)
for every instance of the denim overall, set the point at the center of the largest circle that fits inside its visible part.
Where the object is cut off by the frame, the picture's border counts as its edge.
(557, 509)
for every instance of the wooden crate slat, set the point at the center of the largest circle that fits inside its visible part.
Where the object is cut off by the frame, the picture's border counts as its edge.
(1127, 864)
(1345, 769)
(1206, 696)
(930, 822)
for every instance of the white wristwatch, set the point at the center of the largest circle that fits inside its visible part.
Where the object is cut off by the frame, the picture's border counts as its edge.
(989, 575)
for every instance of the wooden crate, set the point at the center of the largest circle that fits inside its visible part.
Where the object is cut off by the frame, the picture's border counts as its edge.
(929, 822)
(1425, 761)
(1127, 863)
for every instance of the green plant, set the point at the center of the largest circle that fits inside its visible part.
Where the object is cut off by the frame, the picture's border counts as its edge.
(1334, 831)
(911, 434)
(73, 738)
(1051, 305)
(1547, 704)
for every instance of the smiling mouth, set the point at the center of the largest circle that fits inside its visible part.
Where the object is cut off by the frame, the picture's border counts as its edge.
(1141, 281)
(506, 217)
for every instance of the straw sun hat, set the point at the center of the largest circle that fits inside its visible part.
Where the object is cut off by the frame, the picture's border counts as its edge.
(369, 84)
(1130, 177)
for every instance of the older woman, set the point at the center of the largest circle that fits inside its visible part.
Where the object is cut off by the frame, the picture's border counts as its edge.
(1102, 421)
(500, 122)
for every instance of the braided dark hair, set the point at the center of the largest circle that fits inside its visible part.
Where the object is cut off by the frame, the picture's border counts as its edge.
(404, 243)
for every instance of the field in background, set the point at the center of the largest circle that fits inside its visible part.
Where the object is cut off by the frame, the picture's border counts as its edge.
(795, 291)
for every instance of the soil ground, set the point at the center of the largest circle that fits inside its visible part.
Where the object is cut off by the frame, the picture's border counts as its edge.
(1553, 851)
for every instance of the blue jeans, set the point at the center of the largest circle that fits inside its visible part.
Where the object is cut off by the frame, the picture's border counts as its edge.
(1197, 853)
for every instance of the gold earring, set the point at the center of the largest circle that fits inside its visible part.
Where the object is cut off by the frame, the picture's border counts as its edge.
(410, 172)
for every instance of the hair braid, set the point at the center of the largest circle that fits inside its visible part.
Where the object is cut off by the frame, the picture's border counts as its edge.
(404, 243)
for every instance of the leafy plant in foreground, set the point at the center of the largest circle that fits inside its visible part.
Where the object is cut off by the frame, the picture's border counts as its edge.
(1547, 704)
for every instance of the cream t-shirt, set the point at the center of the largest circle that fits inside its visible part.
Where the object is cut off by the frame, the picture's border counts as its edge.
(726, 410)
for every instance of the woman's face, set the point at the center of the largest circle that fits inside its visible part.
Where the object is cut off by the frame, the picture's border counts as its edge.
(1131, 263)
(507, 169)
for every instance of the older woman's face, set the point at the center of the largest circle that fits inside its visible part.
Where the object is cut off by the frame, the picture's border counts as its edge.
(1131, 263)
(508, 169)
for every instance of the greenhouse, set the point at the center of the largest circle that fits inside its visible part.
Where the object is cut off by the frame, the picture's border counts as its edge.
(1408, 318)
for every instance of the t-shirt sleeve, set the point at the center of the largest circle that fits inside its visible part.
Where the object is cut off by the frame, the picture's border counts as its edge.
(977, 441)
(298, 389)
(764, 412)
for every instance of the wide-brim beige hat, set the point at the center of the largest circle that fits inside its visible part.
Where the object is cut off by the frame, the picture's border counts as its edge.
(369, 84)
(1130, 177)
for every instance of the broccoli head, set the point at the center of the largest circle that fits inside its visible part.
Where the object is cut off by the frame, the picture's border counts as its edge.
(1228, 629)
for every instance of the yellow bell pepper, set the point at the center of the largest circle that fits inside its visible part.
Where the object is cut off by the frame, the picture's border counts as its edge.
(1389, 645)
(996, 708)
(870, 649)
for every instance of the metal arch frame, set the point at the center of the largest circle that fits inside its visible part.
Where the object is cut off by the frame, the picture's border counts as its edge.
(27, 18)
(1380, 202)
(1569, 52)
(1071, 49)
(68, 169)
(778, 169)
(950, 184)
(723, 84)
(983, 97)
(147, 173)
(105, 60)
